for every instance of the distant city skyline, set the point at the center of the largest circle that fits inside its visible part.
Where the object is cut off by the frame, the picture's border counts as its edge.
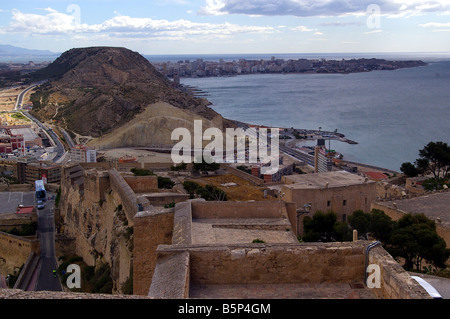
(229, 26)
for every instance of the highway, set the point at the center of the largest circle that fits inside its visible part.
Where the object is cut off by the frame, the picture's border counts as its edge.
(308, 159)
(59, 146)
(19, 99)
(67, 137)
(60, 151)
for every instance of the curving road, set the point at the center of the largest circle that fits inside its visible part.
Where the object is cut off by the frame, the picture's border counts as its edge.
(59, 146)
(60, 151)
(46, 280)
(19, 99)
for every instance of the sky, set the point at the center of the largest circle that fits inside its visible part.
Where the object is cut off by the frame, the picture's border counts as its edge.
(229, 26)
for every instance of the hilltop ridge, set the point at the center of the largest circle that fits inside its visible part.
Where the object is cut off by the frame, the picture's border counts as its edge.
(93, 91)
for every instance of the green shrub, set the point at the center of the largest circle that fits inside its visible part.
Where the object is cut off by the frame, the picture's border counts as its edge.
(165, 182)
(258, 241)
(141, 172)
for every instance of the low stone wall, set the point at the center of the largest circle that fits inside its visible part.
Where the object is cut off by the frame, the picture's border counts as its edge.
(14, 251)
(395, 282)
(171, 276)
(182, 234)
(126, 195)
(277, 263)
(17, 188)
(161, 199)
(264, 209)
(13, 220)
(255, 264)
(142, 184)
(342, 262)
(248, 177)
(126, 167)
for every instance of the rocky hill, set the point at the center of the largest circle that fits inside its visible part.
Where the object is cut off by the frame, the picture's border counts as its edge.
(95, 91)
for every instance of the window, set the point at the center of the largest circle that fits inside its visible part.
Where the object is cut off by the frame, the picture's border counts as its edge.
(344, 202)
(344, 217)
(328, 203)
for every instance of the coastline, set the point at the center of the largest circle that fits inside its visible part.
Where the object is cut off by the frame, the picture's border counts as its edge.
(202, 69)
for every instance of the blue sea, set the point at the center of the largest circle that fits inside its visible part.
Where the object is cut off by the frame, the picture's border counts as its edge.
(391, 114)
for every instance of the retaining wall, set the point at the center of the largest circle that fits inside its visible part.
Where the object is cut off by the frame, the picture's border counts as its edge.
(14, 251)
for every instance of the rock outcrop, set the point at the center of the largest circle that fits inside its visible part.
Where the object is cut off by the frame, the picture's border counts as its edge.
(93, 91)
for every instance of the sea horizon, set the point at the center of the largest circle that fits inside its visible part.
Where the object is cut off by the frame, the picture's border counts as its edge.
(169, 57)
(267, 56)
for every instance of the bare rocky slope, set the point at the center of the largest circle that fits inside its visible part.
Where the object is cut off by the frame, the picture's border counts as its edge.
(97, 90)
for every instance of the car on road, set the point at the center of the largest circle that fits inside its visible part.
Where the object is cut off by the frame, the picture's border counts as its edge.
(40, 204)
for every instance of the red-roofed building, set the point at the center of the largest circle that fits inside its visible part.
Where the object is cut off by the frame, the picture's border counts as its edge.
(376, 176)
(25, 209)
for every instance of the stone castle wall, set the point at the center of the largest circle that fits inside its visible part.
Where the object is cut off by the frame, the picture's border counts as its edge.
(124, 193)
(142, 184)
(151, 228)
(14, 251)
(180, 266)
(395, 283)
(274, 264)
(265, 209)
(93, 223)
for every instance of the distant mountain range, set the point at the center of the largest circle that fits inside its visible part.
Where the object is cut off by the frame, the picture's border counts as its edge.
(7, 50)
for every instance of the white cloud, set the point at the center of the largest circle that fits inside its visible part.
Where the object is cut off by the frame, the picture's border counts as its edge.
(306, 8)
(213, 7)
(302, 28)
(374, 31)
(435, 25)
(51, 23)
(54, 23)
(440, 27)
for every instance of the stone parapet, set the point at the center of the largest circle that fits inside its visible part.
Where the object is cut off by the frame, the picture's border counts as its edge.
(395, 282)
(14, 251)
(171, 276)
(151, 228)
(125, 194)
